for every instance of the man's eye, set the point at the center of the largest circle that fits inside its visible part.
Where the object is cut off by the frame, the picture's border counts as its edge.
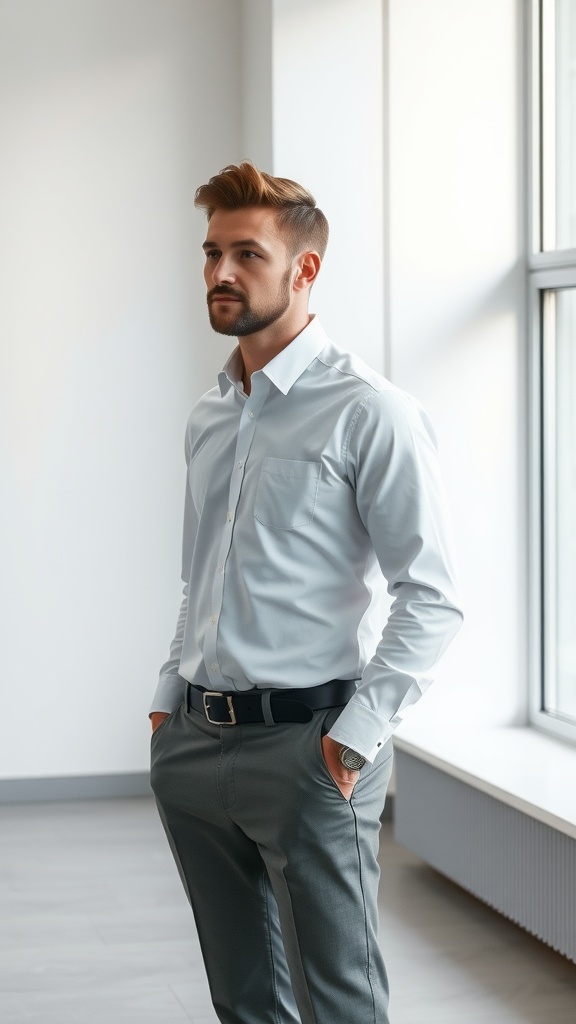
(211, 254)
(247, 255)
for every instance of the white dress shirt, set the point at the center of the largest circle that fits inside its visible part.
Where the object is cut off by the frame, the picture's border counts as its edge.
(303, 500)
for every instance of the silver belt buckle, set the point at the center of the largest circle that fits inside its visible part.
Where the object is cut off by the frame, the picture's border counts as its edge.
(216, 693)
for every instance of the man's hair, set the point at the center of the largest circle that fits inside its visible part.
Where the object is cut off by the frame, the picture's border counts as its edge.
(237, 187)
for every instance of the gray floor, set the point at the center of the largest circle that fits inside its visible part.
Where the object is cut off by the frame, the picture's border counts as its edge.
(94, 928)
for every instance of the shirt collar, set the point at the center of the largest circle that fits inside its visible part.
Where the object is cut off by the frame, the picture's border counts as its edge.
(231, 374)
(285, 369)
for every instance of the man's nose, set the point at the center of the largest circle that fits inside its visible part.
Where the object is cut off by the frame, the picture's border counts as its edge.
(223, 272)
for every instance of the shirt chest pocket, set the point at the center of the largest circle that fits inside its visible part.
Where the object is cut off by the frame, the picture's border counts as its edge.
(286, 493)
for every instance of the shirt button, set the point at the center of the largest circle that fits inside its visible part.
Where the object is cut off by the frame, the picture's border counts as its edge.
(251, 415)
(220, 568)
(239, 465)
(230, 517)
(213, 619)
(213, 666)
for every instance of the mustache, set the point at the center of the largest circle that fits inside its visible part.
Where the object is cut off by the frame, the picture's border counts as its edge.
(224, 289)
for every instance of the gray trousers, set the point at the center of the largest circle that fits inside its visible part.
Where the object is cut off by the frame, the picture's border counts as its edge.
(279, 868)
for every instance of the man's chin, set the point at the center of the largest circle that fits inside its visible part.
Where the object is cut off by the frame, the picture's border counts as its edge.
(222, 327)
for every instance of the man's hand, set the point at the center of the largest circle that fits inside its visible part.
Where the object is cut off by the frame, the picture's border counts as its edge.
(343, 777)
(156, 718)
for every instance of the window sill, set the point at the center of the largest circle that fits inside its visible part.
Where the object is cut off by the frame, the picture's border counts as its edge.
(519, 766)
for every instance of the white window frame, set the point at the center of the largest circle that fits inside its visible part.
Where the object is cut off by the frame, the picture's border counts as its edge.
(549, 270)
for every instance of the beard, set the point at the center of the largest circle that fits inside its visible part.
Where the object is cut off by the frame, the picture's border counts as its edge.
(248, 320)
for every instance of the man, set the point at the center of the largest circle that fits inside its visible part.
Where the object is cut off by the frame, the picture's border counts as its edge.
(310, 479)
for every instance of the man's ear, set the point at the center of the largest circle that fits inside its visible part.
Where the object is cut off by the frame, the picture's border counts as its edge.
(308, 267)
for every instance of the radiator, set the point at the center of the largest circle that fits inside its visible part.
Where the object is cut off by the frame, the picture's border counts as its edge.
(519, 866)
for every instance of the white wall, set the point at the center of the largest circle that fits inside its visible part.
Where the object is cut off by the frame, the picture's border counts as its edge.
(457, 331)
(328, 125)
(257, 91)
(112, 111)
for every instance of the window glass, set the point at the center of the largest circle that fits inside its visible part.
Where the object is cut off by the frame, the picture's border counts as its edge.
(560, 500)
(558, 104)
(565, 124)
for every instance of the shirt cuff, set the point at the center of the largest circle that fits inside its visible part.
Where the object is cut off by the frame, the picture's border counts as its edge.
(169, 694)
(361, 729)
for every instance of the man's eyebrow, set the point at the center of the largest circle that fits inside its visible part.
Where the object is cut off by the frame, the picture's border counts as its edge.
(244, 243)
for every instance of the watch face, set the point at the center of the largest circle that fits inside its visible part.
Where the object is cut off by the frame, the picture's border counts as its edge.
(352, 760)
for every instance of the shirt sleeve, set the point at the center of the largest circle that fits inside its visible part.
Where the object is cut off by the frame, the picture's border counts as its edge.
(170, 689)
(393, 465)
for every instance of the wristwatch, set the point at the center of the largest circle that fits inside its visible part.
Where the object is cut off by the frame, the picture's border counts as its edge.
(351, 759)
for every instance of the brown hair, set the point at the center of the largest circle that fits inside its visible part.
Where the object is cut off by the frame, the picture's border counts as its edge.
(244, 185)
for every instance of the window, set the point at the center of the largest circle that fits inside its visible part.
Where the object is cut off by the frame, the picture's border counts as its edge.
(558, 120)
(552, 264)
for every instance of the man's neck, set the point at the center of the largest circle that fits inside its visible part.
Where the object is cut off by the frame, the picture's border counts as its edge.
(259, 349)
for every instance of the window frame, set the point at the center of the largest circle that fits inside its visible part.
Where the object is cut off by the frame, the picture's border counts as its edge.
(548, 270)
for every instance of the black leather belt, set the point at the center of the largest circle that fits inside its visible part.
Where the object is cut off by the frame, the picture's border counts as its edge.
(268, 705)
